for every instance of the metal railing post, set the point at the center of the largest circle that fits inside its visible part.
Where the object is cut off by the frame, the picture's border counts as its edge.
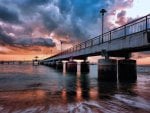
(110, 36)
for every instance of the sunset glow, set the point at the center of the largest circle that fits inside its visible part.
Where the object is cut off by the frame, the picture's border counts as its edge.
(43, 28)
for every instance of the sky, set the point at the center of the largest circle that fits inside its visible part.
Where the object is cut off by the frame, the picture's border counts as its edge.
(30, 28)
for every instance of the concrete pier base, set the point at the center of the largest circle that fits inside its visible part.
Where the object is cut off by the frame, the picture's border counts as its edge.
(59, 65)
(53, 64)
(84, 67)
(107, 70)
(49, 64)
(72, 66)
(127, 70)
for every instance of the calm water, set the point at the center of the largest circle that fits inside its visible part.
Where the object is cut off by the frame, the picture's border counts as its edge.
(40, 89)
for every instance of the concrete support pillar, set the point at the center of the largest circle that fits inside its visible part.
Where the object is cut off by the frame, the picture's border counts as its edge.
(72, 66)
(48, 63)
(53, 64)
(107, 70)
(78, 68)
(64, 67)
(127, 70)
(59, 65)
(84, 67)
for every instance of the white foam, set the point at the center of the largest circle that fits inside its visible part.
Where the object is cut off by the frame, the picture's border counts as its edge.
(87, 107)
(1, 108)
(134, 101)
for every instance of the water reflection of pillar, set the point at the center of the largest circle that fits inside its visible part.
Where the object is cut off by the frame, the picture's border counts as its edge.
(106, 90)
(128, 88)
(64, 96)
(70, 87)
(79, 91)
(85, 86)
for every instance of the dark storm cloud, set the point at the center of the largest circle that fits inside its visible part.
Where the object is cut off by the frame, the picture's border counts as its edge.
(76, 19)
(65, 6)
(34, 41)
(77, 14)
(36, 2)
(62, 17)
(4, 38)
(8, 15)
(50, 21)
(117, 9)
(121, 18)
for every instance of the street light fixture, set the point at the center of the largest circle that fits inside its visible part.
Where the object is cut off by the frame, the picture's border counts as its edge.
(61, 45)
(102, 11)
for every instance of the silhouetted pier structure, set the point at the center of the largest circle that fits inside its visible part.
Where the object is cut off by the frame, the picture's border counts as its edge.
(120, 42)
(35, 61)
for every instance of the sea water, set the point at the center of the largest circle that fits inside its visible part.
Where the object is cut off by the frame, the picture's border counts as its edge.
(40, 89)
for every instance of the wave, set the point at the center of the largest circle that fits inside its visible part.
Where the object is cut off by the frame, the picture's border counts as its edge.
(88, 107)
(135, 102)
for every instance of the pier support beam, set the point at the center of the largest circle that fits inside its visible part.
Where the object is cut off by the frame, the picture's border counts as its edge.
(127, 70)
(107, 70)
(72, 66)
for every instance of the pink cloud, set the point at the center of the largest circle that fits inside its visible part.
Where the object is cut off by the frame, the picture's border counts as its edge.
(117, 13)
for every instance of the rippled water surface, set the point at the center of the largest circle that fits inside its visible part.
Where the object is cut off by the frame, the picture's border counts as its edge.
(41, 89)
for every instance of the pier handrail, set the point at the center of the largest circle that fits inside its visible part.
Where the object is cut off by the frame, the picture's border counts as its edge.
(135, 26)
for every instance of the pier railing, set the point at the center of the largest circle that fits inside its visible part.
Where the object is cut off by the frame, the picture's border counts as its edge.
(138, 25)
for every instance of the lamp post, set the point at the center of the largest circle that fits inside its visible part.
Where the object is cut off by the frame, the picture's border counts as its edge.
(51, 51)
(102, 11)
(61, 45)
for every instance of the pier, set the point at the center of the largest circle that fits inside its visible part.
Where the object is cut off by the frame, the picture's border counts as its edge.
(120, 42)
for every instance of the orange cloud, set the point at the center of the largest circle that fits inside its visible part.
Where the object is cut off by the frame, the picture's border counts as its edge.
(26, 53)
